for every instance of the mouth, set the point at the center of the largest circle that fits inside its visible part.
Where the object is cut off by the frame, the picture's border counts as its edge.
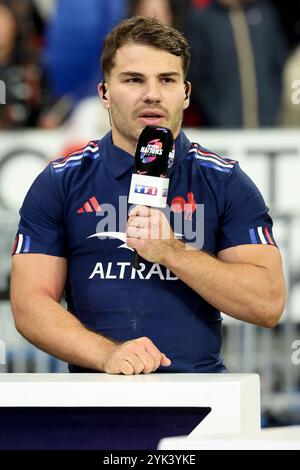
(151, 117)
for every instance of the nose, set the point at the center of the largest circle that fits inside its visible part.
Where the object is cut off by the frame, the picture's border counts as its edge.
(152, 92)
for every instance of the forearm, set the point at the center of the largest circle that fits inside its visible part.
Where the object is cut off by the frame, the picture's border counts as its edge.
(49, 326)
(240, 290)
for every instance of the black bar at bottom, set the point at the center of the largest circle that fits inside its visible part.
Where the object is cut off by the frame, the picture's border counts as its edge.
(116, 428)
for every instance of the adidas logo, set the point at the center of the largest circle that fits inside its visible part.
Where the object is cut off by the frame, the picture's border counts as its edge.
(92, 205)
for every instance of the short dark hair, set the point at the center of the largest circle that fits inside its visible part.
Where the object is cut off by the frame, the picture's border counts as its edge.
(145, 31)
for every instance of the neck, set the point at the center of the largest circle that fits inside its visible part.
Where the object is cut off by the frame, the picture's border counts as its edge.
(123, 143)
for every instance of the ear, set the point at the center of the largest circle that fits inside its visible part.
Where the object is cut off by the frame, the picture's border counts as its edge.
(188, 91)
(104, 94)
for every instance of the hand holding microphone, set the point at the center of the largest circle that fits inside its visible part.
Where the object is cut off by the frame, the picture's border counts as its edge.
(149, 184)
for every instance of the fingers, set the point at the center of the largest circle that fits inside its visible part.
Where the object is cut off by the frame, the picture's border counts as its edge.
(125, 368)
(160, 358)
(137, 232)
(140, 222)
(165, 361)
(141, 362)
(134, 364)
(130, 358)
(137, 226)
(134, 357)
(144, 227)
(152, 350)
(148, 224)
(147, 364)
(143, 211)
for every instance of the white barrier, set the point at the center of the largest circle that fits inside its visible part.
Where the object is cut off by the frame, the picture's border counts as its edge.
(234, 399)
(282, 438)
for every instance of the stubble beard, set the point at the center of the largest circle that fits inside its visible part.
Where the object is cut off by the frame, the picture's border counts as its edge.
(128, 130)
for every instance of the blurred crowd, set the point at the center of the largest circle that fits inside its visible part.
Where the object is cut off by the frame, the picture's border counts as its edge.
(244, 70)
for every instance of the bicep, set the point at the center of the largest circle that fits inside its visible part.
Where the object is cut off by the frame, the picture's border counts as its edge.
(270, 277)
(263, 256)
(258, 255)
(37, 273)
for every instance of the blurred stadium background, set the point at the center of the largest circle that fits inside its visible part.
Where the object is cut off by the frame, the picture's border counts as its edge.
(246, 104)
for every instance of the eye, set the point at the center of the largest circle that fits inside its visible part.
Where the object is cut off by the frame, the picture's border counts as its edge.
(168, 80)
(134, 80)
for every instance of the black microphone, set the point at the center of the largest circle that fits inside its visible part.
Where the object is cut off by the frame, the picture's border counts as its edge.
(153, 159)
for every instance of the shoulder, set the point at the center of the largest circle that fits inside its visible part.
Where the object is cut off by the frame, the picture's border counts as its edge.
(76, 158)
(209, 162)
(66, 172)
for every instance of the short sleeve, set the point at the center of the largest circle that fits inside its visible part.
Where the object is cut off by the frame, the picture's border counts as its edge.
(41, 226)
(246, 219)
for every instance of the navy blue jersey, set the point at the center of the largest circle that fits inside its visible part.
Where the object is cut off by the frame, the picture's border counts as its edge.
(65, 214)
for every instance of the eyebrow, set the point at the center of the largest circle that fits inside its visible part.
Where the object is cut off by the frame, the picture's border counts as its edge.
(137, 74)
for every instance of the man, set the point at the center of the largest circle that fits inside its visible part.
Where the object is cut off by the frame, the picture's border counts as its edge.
(167, 316)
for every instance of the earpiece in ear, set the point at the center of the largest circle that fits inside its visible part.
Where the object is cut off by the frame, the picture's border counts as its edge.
(186, 85)
(104, 91)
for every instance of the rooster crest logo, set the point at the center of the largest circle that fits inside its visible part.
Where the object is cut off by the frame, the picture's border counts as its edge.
(179, 204)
